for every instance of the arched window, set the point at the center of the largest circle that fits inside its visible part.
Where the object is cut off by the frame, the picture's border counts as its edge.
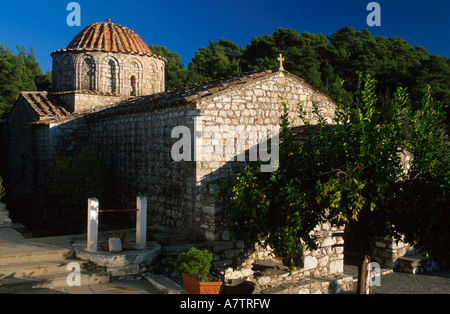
(112, 77)
(87, 74)
(65, 75)
(133, 87)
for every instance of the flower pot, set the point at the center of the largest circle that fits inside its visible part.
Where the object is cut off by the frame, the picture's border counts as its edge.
(193, 286)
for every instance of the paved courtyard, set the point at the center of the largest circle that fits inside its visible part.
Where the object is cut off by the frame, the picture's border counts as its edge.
(402, 283)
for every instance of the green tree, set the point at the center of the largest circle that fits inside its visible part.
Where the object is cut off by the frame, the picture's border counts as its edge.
(220, 59)
(19, 72)
(423, 215)
(351, 174)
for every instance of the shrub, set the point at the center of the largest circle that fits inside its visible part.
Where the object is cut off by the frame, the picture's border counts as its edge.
(196, 263)
(74, 181)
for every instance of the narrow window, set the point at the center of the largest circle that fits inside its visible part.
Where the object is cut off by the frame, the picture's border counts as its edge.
(87, 72)
(112, 75)
(133, 90)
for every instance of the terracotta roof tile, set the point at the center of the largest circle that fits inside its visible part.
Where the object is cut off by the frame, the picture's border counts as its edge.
(109, 37)
(45, 105)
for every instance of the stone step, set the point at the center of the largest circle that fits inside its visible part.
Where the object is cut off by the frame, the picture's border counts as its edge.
(18, 251)
(5, 223)
(4, 214)
(49, 281)
(165, 285)
(35, 257)
(37, 269)
(2, 206)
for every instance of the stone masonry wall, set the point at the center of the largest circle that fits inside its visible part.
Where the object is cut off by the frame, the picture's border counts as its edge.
(86, 101)
(138, 150)
(21, 168)
(108, 72)
(386, 253)
(327, 260)
(56, 140)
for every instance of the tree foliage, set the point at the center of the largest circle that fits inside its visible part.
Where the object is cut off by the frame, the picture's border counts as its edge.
(220, 59)
(19, 72)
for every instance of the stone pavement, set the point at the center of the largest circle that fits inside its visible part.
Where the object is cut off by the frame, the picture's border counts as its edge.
(437, 282)
(403, 283)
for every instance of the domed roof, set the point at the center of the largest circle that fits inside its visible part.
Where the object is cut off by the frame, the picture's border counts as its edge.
(109, 37)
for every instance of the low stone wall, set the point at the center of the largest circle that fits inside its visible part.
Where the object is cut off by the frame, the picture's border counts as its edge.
(387, 252)
(266, 271)
(333, 284)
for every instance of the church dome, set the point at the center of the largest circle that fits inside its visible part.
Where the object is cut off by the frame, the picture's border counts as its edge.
(108, 37)
(108, 59)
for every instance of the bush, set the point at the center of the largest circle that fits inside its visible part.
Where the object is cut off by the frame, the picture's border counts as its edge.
(196, 263)
(74, 181)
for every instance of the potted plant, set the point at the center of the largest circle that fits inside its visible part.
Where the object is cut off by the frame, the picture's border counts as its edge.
(122, 234)
(195, 266)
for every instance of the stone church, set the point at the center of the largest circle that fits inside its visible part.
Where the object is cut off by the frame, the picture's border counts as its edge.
(109, 97)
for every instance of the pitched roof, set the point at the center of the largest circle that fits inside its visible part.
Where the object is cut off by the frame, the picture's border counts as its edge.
(45, 105)
(190, 94)
(182, 96)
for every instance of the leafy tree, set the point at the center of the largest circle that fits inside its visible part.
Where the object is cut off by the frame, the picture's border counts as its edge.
(176, 72)
(424, 213)
(351, 174)
(220, 59)
(19, 72)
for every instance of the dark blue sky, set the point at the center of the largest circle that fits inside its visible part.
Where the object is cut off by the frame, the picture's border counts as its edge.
(185, 26)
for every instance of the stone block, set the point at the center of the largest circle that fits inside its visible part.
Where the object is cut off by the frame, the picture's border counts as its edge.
(264, 280)
(336, 267)
(310, 262)
(115, 245)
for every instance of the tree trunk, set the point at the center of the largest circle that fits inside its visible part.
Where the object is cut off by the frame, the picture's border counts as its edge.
(363, 273)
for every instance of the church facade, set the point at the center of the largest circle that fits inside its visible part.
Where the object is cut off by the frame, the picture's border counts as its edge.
(109, 98)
